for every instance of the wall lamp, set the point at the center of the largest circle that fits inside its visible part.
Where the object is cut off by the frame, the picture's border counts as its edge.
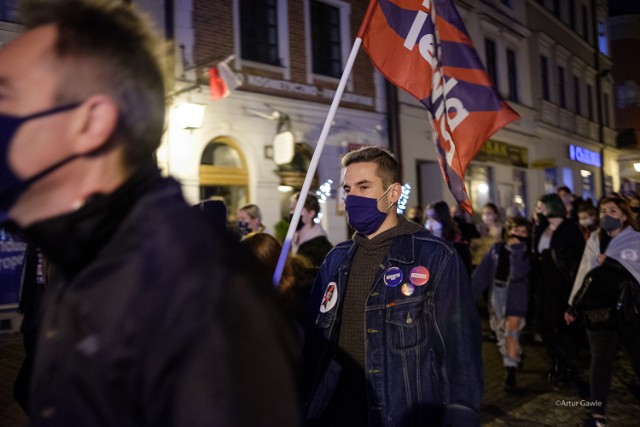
(636, 166)
(189, 115)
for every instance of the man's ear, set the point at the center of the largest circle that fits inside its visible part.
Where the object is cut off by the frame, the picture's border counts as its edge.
(94, 123)
(396, 192)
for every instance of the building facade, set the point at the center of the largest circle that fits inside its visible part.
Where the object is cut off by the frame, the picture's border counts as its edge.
(545, 60)
(287, 57)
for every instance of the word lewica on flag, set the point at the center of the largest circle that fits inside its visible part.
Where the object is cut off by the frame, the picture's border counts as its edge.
(422, 46)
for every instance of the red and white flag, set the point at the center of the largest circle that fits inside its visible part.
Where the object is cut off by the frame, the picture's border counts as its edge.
(222, 80)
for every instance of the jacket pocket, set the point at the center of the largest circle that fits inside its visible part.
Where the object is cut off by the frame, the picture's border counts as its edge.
(407, 326)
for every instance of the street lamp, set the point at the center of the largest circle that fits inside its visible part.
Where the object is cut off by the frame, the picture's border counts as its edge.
(189, 115)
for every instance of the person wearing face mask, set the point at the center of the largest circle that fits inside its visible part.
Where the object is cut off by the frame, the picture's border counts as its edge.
(504, 270)
(440, 223)
(557, 249)
(490, 230)
(611, 260)
(394, 334)
(152, 318)
(250, 220)
(587, 218)
(310, 239)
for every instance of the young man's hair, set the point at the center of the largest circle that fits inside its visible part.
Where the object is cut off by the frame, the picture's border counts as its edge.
(106, 47)
(311, 202)
(388, 168)
(554, 204)
(563, 188)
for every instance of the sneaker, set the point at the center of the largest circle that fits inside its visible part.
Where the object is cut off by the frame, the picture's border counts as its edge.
(510, 379)
(595, 421)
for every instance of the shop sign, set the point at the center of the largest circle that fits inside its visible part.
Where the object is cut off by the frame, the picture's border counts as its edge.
(586, 156)
(501, 152)
(543, 164)
(302, 89)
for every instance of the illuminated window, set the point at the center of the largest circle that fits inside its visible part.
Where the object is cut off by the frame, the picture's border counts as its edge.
(224, 174)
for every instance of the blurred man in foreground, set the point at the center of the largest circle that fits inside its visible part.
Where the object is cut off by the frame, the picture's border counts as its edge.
(156, 320)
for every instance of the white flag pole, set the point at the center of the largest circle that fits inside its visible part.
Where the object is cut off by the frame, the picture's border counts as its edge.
(314, 162)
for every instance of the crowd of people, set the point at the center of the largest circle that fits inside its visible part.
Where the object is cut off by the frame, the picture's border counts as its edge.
(141, 310)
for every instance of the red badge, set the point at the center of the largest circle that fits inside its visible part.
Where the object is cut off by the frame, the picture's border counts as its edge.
(419, 275)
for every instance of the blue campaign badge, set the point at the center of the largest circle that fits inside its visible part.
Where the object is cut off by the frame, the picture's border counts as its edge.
(393, 276)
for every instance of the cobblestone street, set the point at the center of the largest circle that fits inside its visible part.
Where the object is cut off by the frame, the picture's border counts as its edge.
(534, 403)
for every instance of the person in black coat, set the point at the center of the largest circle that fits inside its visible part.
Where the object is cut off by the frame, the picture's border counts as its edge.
(558, 247)
(310, 239)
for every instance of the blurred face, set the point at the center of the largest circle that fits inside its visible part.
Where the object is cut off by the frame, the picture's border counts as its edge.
(541, 208)
(566, 197)
(634, 204)
(252, 223)
(612, 210)
(519, 231)
(306, 216)
(585, 219)
(28, 86)
(488, 216)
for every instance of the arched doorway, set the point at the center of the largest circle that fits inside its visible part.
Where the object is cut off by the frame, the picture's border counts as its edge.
(224, 174)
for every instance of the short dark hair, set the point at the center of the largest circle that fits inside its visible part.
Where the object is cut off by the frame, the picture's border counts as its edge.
(564, 188)
(554, 204)
(107, 47)
(311, 202)
(388, 167)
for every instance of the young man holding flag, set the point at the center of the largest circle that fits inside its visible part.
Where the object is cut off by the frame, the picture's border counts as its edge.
(396, 337)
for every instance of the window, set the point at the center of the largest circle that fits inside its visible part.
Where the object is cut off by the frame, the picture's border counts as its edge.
(326, 39)
(605, 110)
(576, 94)
(9, 10)
(512, 71)
(561, 88)
(490, 55)
(259, 31)
(603, 42)
(224, 174)
(585, 22)
(590, 102)
(544, 71)
(572, 14)
(556, 9)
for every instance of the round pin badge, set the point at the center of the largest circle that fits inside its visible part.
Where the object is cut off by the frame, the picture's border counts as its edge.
(330, 297)
(407, 289)
(393, 277)
(419, 275)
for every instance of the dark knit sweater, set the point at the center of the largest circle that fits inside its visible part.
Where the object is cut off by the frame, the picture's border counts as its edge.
(364, 267)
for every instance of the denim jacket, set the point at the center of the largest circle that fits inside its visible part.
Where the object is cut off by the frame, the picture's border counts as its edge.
(423, 351)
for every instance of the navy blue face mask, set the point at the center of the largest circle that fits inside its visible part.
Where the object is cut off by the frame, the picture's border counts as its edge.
(363, 213)
(12, 186)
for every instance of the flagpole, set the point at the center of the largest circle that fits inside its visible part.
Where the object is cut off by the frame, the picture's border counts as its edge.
(314, 161)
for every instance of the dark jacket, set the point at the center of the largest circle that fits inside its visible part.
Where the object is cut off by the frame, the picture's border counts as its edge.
(159, 320)
(315, 250)
(423, 352)
(518, 283)
(554, 271)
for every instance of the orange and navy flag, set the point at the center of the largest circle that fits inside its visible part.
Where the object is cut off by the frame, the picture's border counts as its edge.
(422, 46)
